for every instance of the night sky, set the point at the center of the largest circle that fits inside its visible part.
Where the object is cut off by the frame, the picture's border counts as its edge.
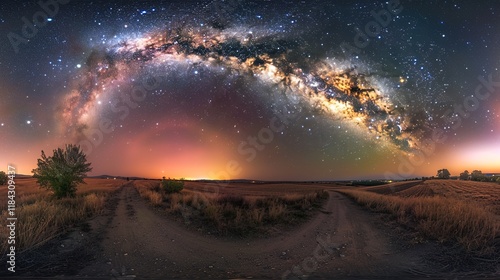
(273, 90)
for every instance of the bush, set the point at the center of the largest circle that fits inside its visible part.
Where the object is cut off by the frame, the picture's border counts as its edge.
(62, 172)
(3, 178)
(172, 185)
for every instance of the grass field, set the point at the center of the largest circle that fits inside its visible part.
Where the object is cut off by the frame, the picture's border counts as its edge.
(485, 194)
(239, 209)
(40, 217)
(464, 212)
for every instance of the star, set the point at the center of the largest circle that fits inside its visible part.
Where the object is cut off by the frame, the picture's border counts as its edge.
(357, 85)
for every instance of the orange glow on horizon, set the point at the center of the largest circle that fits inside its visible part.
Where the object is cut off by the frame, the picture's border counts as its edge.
(475, 157)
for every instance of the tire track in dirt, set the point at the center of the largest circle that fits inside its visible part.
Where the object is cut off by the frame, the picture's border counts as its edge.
(343, 240)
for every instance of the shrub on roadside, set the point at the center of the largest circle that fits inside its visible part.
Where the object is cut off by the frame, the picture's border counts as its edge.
(3, 178)
(172, 185)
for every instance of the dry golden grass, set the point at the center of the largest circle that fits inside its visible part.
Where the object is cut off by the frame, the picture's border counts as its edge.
(153, 197)
(249, 189)
(245, 214)
(27, 191)
(40, 221)
(174, 200)
(486, 194)
(442, 218)
(276, 211)
(99, 185)
(232, 213)
(147, 190)
(40, 217)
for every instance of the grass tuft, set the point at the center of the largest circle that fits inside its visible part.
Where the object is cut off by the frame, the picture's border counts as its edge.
(234, 214)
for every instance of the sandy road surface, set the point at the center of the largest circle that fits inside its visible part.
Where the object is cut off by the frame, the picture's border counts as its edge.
(340, 241)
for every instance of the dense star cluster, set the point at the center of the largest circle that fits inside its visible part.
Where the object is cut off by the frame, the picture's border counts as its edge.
(333, 87)
(286, 89)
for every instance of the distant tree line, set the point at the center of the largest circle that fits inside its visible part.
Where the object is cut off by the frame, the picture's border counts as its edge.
(475, 175)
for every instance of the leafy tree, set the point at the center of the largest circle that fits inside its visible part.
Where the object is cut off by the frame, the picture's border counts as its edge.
(172, 185)
(464, 175)
(63, 171)
(3, 178)
(443, 174)
(477, 175)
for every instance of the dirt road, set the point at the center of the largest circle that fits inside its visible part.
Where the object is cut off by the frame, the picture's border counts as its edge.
(342, 240)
